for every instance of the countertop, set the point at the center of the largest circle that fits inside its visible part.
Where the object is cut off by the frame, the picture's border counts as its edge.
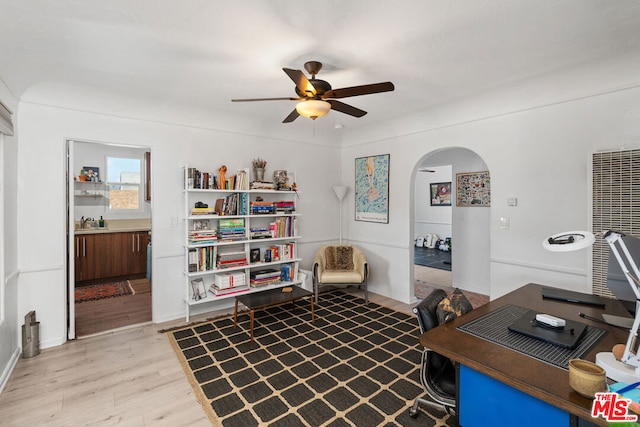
(117, 226)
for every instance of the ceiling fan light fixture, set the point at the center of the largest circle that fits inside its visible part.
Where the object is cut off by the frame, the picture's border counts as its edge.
(313, 108)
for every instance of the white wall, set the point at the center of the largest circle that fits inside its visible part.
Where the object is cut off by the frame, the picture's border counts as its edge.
(539, 154)
(431, 219)
(43, 133)
(9, 326)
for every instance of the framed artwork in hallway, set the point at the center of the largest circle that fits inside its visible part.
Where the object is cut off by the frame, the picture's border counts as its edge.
(440, 193)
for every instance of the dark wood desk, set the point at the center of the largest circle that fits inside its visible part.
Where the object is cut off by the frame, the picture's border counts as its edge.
(540, 380)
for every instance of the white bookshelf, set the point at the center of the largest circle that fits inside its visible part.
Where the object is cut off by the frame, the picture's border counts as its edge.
(286, 241)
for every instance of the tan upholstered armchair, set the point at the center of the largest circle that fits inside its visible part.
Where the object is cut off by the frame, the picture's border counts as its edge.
(340, 265)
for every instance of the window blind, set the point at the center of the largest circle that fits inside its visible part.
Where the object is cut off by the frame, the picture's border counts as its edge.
(6, 126)
(616, 206)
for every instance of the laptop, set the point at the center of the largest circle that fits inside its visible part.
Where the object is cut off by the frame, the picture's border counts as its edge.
(575, 297)
(567, 337)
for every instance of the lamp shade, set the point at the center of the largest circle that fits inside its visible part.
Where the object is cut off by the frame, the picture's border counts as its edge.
(340, 191)
(313, 108)
(569, 241)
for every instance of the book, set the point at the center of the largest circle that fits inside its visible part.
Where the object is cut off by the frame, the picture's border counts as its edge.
(236, 290)
(254, 255)
(229, 280)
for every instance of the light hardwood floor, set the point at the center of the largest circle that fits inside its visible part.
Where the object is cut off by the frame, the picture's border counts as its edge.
(127, 378)
(427, 279)
(432, 276)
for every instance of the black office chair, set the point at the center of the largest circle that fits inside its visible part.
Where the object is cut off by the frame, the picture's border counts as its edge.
(437, 373)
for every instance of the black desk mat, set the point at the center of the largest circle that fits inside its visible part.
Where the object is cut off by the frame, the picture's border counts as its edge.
(493, 327)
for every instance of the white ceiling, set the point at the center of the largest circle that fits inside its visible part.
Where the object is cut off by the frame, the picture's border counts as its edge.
(202, 53)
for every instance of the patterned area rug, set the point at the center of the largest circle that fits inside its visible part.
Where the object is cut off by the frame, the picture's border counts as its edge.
(102, 291)
(357, 366)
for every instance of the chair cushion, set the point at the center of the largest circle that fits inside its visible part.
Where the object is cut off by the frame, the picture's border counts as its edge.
(339, 257)
(453, 306)
(338, 276)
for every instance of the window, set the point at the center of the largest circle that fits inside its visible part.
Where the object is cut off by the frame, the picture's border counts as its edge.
(123, 183)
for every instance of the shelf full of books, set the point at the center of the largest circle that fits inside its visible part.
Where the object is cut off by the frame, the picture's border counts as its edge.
(237, 240)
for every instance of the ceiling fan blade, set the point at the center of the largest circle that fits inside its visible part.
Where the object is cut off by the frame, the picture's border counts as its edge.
(359, 90)
(291, 117)
(266, 99)
(346, 108)
(305, 88)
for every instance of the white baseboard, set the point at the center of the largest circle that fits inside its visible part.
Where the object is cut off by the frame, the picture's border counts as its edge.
(9, 368)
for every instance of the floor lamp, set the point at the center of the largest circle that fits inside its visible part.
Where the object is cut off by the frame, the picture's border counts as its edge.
(340, 191)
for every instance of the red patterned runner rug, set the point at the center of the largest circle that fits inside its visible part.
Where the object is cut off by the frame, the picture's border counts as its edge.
(102, 291)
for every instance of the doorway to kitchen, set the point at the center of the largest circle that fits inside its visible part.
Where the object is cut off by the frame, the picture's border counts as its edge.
(109, 239)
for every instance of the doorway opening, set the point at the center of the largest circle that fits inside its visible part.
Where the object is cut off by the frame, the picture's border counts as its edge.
(457, 238)
(109, 223)
(433, 244)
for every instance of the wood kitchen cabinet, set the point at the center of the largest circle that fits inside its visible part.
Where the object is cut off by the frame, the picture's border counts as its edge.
(132, 254)
(105, 255)
(92, 260)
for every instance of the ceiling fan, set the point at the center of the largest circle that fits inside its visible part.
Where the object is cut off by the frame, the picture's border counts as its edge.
(317, 97)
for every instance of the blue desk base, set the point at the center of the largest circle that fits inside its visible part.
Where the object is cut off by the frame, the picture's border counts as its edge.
(484, 401)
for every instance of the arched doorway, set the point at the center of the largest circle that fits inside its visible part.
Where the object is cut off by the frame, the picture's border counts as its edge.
(468, 227)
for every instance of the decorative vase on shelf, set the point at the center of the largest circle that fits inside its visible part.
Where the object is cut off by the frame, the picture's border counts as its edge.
(258, 174)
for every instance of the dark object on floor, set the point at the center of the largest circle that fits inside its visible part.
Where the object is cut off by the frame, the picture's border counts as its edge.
(433, 258)
(437, 373)
(358, 365)
(102, 291)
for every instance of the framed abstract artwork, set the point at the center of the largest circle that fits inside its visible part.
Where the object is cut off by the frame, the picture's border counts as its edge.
(440, 193)
(372, 188)
(473, 189)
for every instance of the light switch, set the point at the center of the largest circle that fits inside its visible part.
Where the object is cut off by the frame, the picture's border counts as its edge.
(504, 223)
(512, 201)
(174, 221)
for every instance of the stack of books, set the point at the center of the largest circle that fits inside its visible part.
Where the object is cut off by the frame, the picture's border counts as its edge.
(203, 211)
(231, 229)
(285, 206)
(258, 185)
(202, 237)
(264, 277)
(259, 233)
(230, 259)
(229, 283)
(258, 208)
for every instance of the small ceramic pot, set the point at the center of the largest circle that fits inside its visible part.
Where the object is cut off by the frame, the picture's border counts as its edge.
(587, 378)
